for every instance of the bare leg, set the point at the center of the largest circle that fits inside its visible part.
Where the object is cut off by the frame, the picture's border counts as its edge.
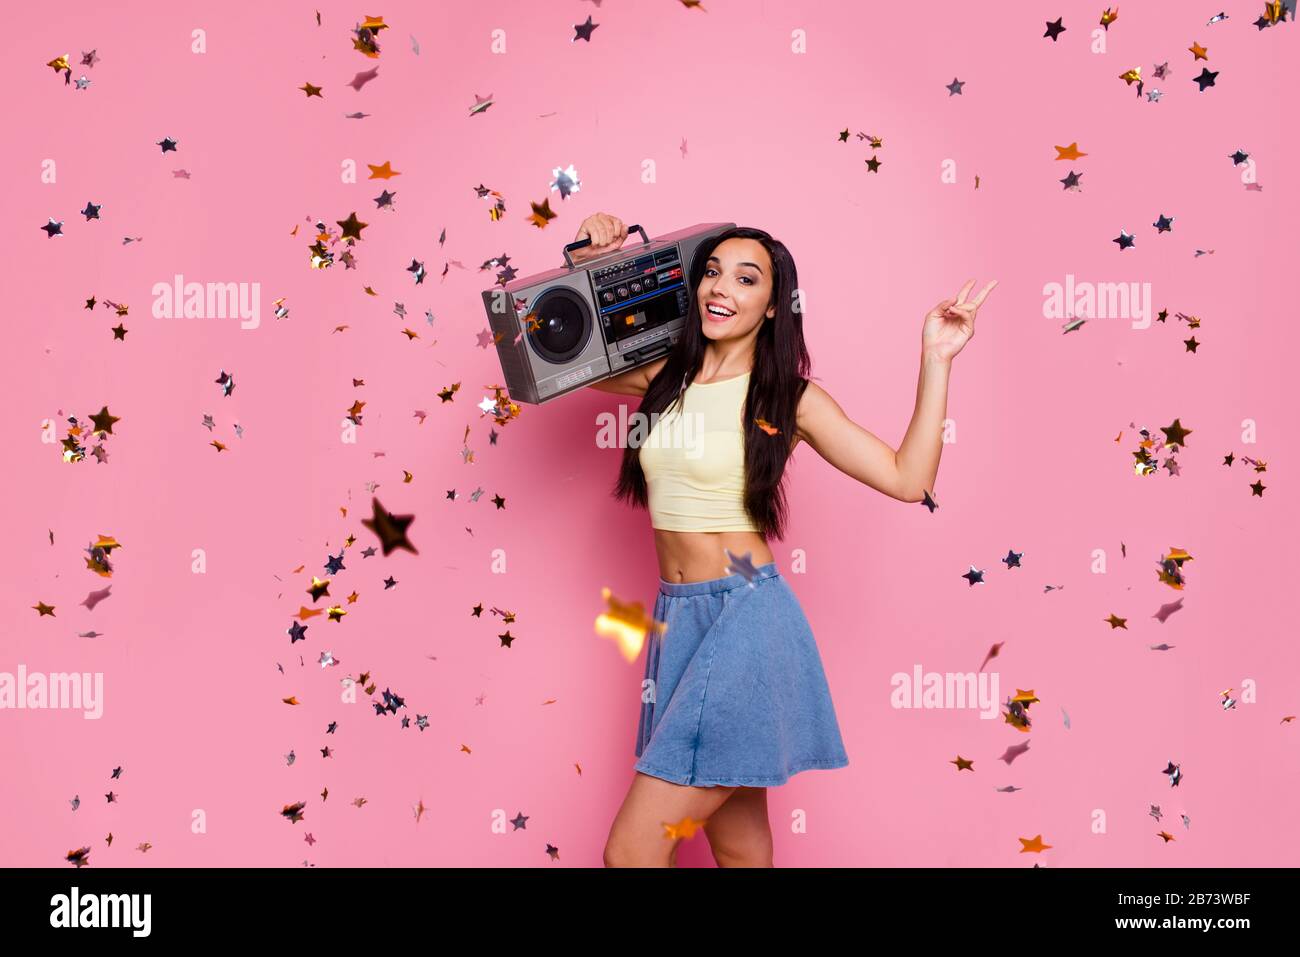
(739, 833)
(637, 837)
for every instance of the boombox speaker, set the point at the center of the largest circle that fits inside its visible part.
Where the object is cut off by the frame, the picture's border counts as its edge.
(565, 329)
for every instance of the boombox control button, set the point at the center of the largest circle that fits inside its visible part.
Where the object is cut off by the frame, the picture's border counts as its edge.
(636, 286)
(622, 292)
(607, 296)
(649, 282)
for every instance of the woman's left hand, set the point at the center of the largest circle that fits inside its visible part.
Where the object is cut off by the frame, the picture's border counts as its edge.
(951, 323)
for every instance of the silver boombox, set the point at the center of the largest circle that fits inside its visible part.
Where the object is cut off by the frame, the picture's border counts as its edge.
(565, 329)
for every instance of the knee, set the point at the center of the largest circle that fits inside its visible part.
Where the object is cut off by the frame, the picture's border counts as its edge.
(623, 853)
(616, 855)
(748, 854)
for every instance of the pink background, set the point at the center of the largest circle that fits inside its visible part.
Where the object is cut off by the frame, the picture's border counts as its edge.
(193, 706)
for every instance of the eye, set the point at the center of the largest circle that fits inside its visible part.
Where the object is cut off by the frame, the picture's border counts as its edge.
(709, 270)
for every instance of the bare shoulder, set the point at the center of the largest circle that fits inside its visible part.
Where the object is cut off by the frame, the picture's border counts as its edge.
(649, 371)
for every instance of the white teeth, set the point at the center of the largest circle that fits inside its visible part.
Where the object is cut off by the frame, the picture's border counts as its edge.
(719, 311)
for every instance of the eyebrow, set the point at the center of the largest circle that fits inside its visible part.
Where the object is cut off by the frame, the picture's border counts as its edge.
(715, 259)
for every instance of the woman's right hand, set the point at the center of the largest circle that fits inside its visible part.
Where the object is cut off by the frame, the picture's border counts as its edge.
(606, 233)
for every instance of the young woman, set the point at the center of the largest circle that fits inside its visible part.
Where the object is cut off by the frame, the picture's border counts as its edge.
(736, 700)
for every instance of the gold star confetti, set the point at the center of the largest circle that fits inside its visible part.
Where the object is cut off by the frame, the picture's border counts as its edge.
(1068, 152)
(685, 828)
(351, 227)
(108, 543)
(1171, 567)
(1034, 844)
(627, 624)
(541, 214)
(79, 858)
(364, 41)
(390, 528)
(502, 409)
(1175, 435)
(385, 171)
(104, 421)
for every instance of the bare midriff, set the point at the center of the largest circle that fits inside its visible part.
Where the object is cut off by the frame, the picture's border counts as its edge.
(701, 556)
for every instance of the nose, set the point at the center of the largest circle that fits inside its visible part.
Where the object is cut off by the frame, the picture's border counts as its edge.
(719, 290)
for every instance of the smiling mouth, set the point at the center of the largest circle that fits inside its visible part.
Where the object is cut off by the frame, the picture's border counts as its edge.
(717, 313)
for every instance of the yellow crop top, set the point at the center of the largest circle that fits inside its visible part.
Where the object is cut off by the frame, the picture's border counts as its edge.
(694, 461)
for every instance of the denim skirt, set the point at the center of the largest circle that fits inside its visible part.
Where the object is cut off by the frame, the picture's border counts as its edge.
(734, 693)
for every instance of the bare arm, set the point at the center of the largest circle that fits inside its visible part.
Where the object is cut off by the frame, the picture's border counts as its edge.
(910, 472)
(906, 474)
(918, 455)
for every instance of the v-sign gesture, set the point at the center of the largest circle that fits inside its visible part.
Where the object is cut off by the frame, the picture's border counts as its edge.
(951, 323)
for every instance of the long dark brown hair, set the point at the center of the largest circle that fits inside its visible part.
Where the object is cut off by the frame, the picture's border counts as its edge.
(776, 383)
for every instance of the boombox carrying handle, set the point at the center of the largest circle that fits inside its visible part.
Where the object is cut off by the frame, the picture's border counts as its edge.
(568, 260)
